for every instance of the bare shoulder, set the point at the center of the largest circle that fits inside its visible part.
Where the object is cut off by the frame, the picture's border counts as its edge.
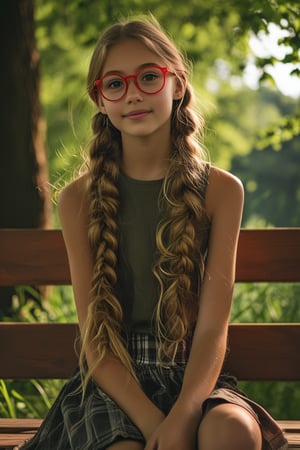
(73, 198)
(73, 211)
(219, 178)
(224, 189)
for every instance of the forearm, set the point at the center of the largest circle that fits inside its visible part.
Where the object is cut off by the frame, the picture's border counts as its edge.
(179, 429)
(202, 371)
(118, 383)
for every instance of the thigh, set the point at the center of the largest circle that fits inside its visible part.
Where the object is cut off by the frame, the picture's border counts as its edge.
(126, 445)
(273, 437)
(229, 426)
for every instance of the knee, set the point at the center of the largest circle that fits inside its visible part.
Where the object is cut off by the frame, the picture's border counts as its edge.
(229, 427)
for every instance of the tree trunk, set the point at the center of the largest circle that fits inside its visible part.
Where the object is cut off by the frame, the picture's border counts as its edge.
(24, 189)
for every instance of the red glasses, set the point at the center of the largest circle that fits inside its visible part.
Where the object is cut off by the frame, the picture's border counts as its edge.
(149, 80)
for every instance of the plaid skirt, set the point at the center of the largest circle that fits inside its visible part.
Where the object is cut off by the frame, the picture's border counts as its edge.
(97, 422)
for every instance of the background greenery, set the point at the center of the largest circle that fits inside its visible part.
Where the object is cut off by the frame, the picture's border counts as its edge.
(252, 132)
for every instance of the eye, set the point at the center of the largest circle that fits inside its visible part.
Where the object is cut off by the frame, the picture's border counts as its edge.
(149, 76)
(112, 83)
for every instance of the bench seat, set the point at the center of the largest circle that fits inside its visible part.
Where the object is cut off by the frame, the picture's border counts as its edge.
(265, 352)
(14, 431)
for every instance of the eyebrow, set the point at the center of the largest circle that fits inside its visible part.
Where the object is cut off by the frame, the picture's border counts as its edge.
(136, 70)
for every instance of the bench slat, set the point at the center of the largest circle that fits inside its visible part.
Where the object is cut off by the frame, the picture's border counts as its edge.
(35, 350)
(38, 257)
(293, 440)
(33, 257)
(264, 352)
(8, 439)
(271, 254)
(19, 425)
(267, 352)
(290, 425)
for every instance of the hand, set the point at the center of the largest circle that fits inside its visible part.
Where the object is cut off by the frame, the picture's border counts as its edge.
(176, 432)
(152, 422)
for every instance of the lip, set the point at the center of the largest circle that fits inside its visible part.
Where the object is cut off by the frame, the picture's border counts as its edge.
(138, 114)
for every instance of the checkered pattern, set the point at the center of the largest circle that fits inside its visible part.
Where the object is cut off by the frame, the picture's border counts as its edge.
(143, 347)
(98, 422)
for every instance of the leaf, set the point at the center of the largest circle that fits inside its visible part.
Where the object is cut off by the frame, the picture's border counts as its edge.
(7, 399)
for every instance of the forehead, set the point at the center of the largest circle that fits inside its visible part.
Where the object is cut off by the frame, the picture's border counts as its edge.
(128, 56)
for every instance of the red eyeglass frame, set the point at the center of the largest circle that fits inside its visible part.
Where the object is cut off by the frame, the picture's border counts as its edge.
(97, 83)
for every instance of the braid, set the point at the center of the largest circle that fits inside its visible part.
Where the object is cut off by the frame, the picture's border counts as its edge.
(103, 324)
(180, 237)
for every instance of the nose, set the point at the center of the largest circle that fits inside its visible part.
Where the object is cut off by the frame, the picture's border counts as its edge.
(133, 93)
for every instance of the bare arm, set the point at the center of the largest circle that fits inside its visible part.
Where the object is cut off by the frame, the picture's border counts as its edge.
(224, 205)
(110, 375)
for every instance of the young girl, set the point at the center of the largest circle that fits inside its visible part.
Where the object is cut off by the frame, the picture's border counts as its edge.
(151, 232)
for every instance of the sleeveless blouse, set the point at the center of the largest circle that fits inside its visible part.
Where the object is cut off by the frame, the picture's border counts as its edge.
(95, 420)
(139, 217)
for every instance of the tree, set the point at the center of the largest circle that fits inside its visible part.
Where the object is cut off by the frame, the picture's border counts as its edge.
(25, 200)
(24, 197)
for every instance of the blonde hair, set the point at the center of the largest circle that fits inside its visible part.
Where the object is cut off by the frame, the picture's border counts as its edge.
(181, 234)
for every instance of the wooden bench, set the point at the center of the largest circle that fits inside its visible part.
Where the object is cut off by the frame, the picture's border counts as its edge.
(46, 350)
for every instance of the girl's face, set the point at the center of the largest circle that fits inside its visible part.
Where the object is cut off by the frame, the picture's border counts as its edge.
(138, 113)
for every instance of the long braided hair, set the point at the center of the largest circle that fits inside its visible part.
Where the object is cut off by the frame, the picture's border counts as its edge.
(180, 236)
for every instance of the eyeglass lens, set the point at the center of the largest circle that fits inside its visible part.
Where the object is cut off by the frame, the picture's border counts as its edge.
(149, 80)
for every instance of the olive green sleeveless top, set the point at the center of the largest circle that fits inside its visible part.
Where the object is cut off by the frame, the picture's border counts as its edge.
(139, 216)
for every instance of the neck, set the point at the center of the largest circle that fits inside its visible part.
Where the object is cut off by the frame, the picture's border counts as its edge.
(145, 159)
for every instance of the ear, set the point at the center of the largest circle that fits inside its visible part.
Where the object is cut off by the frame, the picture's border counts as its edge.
(179, 88)
(101, 107)
(97, 99)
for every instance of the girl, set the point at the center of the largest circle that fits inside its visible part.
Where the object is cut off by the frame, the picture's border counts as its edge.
(151, 232)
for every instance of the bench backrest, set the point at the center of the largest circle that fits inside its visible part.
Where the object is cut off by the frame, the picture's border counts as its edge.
(38, 257)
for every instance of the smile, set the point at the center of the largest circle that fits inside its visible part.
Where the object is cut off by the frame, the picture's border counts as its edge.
(135, 115)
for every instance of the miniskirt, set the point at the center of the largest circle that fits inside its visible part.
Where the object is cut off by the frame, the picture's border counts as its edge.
(96, 422)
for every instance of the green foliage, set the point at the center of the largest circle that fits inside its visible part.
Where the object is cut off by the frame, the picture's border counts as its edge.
(281, 399)
(286, 129)
(35, 400)
(7, 406)
(235, 127)
(266, 302)
(55, 304)
(67, 32)
(243, 129)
